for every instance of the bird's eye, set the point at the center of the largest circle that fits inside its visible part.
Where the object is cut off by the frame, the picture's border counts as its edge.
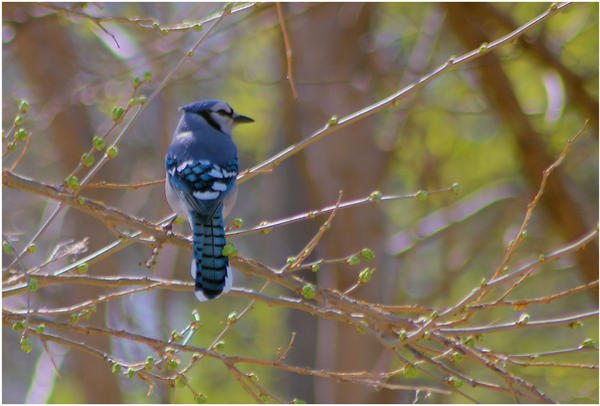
(222, 112)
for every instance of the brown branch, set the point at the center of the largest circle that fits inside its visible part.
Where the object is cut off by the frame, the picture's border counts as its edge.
(288, 51)
(533, 204)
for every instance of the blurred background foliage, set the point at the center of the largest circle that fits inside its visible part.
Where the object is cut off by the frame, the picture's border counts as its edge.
(463, 127)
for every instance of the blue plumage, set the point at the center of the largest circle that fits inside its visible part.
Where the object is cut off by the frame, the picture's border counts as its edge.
(202, 166)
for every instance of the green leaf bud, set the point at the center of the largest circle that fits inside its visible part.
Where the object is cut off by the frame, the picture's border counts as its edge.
(315, 267)
(117, 113)
(116, 368)
(523, 319)
(82, 268)
(456, 188)
(32, 249)
(588, 343)
(18, 325)
(11, 146)
(290, 260)
(137, 81)
(112, 152)
(74, 318)
(73, 182)
(26, 345)
(99, 143)
(410, 371)
(18, 120)
(308, 291)
(229, 250)
(219, 346)
(231, 317)
(7, 247)
(353, 260)
(40, 328)
(21, 134)
(149, 363)
(130, 373)
(367, 253)
(147, 76)
(175, 336)
(33, 284)
(298, 401)
(23, 106)
(454, 381)
(375, 195)
(422, 195)
(197, 27)
(333, 120)
(172, 364)
(237, 223)
(365, 275)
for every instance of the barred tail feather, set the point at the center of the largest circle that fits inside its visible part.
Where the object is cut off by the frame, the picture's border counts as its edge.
(210, 269)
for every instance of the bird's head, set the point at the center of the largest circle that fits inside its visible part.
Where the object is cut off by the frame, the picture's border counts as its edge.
(217, 114)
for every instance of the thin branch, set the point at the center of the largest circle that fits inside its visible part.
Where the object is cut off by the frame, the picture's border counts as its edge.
(288, 51)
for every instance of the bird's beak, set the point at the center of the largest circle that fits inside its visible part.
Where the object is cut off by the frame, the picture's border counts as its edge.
(238, 119)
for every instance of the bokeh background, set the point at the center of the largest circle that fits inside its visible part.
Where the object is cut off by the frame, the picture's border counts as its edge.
(491, 125)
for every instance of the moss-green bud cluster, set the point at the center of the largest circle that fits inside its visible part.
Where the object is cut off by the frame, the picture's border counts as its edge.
(117, 114)
(367, 253)
(112, 152)
(456, 188)
(6, 247)
(26, 345)
(19, 325)
(21, 134)
(73, 182)
(219, 346)
(308, 291)
(229, 250)
(116, 368)
(375, 195)
(333, 120)
(353, 260)
(147, 76)
(315, 267)
(82, 268)
(231, 317)
(175, 336)
(410, 371)
(422, 195)
(87, 159)
(149, 363)
(18, 120)
(33, 284)
(99, 143)
(365, 275)
(237, 223)
(588, 343)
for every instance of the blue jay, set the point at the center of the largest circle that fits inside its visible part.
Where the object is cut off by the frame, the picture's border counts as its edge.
(202, 165)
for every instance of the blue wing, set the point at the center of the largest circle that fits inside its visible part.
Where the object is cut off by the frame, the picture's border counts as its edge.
(201, 184)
